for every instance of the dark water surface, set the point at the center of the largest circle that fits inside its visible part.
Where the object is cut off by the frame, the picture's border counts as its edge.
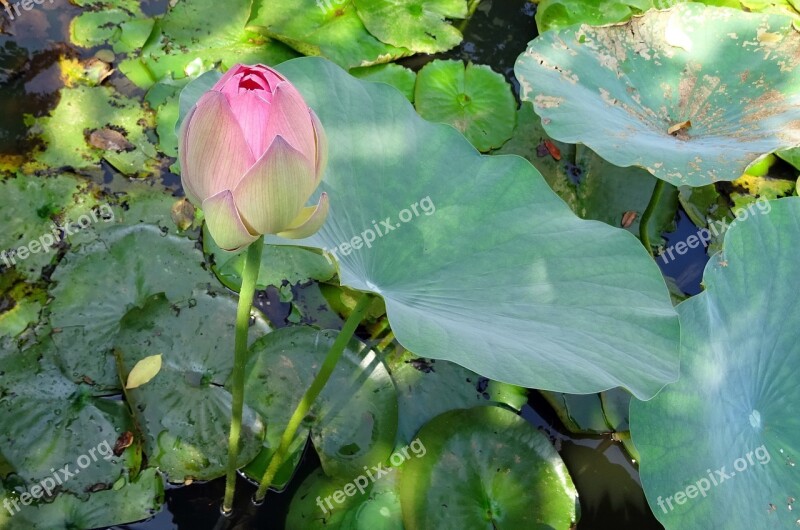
(607, 480)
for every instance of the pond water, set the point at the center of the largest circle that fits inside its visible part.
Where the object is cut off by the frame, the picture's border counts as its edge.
(611, 497)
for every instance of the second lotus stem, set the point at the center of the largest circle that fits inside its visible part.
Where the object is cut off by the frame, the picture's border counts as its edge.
(312, 393)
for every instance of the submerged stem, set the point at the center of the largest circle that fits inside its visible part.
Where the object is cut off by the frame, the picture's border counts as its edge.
(312, 393)
(644, 235)
(249, 278)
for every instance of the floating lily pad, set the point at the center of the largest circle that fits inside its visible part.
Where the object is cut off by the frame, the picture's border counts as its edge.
(736, 401)
(494, 266)
(393, 74)
(427, 388)
(84, 110)
(193, 37)
(792, 156)
(99, 283)
(31, 212)
(475, 100)
(420, 25)
(128, 503)
(330, 28)
(557, 14)
(278, 264)
(184, 411)
(647, 93)
(376, 507)
(127, 30)
(486, 467)
(38, 401)
(354, 421)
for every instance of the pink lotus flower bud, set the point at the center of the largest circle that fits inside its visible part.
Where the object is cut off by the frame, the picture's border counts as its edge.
(252, 153)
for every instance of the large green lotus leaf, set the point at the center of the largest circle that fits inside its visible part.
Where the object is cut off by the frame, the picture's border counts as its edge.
(427, 388)
(184, 411)
(127, 503)
(792, 156)
(278, 264)
(74, 132)
(375, 505)
(420, 25)
(494, 272)
(29, 208)
(474, 99)
(485, 467)
(97, 284)
(49, 422)
(354, 421)
(195, 36)
(693, 94)
(735, 402)
(330, 28)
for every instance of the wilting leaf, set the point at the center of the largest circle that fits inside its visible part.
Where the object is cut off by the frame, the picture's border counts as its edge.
(143, 371)
(621, 89)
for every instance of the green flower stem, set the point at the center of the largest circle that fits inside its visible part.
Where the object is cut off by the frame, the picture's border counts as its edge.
(246, 293)
(312, 393)
(644, 235)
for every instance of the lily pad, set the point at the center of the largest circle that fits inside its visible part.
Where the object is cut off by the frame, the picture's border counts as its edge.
(31, 212)
(184, 411)
(330, 28)
(420, 25)
(393, 74)
(735, 403)
(193, 37)
(279, 264)
(486, 467)
(99, 283)
(474, 99)
(315, 505)
(557, 14)
(354, 421)
(83, 110)
(427, 388)
(131, 502)
(647, 93)
(489, 243)
(88, 427)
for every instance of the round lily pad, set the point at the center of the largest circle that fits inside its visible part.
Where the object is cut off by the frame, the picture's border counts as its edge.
(99, 282)
(493, 267)
(420, 25)
(393, 74)
(184, 411)
(719, 448)
(127, 502)
(694, 94)
(486, 467)
(330, 28)
(474, 99)
(354, 421)
(51, 423)
(325, 503)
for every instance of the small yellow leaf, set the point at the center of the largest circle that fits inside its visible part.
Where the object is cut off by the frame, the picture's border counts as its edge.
(144, 371)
